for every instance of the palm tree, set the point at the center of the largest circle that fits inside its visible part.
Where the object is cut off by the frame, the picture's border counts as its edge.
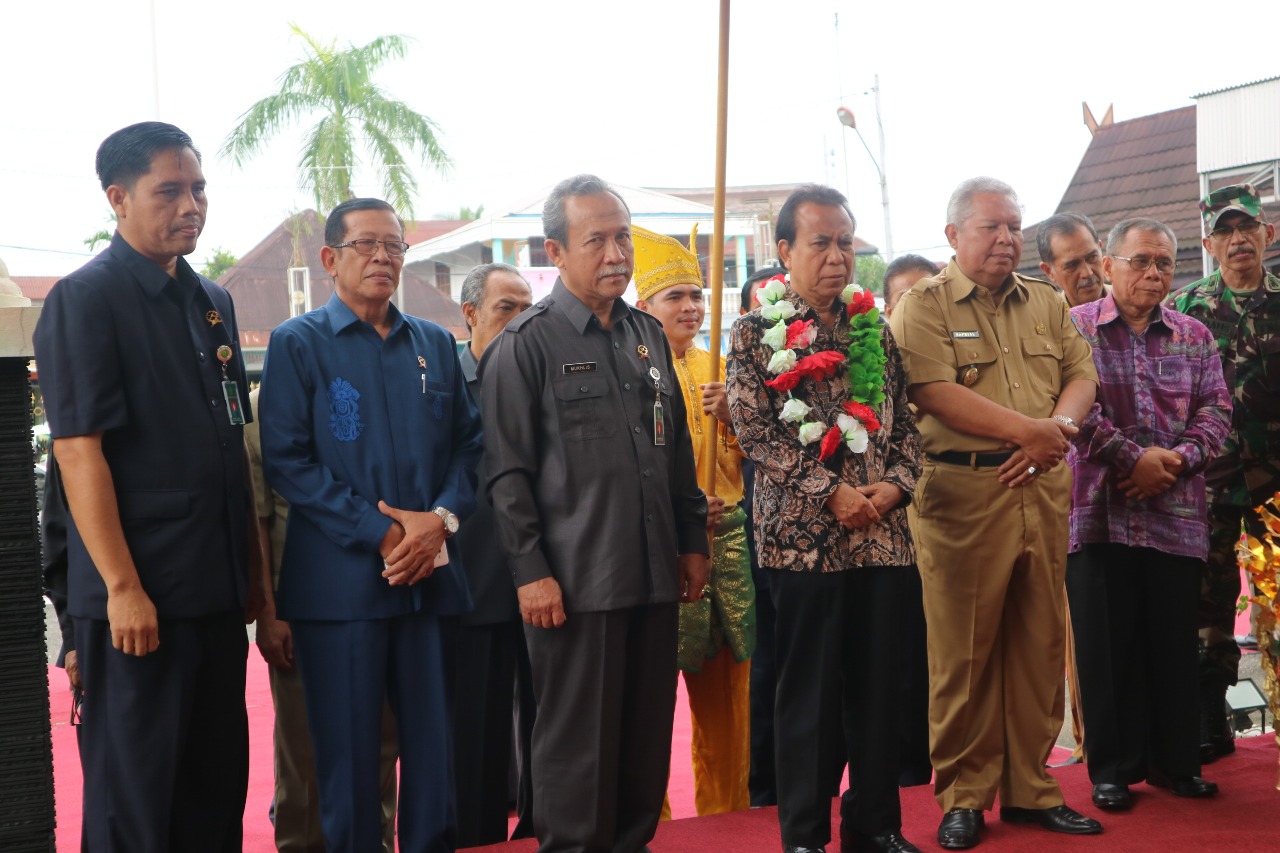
(338, 84)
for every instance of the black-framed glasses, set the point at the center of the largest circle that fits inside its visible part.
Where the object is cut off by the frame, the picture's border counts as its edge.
(1247, 227)
(1164, 266)
(395, 248)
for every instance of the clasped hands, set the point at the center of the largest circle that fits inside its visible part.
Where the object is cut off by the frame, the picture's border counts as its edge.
(1040, 448)
(862, 506)
(410, 545)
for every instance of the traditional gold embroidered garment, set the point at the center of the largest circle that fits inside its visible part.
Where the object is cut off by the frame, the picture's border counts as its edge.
(727, 615)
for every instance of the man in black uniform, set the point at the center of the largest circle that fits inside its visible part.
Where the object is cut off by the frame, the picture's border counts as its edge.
(142, 376)
(591, 476)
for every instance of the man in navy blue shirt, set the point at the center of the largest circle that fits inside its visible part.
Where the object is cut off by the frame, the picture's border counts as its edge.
(370, 434)
(143, 380)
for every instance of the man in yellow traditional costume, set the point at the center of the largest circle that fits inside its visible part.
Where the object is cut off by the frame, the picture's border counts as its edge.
(717, 633)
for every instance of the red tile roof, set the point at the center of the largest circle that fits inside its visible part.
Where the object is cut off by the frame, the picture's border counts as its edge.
(35, 287)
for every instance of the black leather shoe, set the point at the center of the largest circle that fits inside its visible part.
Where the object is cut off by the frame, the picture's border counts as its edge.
(885, 842)
(1184, 786)
(1056, 819)
(959, 829)
(1112, 797)
(790, 848)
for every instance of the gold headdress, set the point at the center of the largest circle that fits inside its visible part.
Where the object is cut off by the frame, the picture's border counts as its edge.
(661, 261)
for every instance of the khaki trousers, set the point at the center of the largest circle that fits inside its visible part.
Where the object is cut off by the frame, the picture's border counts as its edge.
(993, 563)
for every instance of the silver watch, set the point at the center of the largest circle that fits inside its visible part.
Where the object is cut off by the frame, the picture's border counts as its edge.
(450, 520)
(1065, 421)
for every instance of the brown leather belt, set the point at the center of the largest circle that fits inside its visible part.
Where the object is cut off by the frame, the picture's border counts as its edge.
(971, 460)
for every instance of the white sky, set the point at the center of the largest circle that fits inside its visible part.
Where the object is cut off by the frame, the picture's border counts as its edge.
(529, 93)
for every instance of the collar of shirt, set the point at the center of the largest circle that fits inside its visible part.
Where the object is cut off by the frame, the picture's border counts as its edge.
(807, 311)
(152, 278)
(963, 287)
(1107, 312)
(468, 362)
(577, 311)
(342, 317)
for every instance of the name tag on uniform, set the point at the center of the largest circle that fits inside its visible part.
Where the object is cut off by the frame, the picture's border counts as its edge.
(973, 334)
(580, 367)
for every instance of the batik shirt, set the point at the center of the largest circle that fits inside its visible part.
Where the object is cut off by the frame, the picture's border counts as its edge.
(794, 528)
(1160, 388)
(1247, 329)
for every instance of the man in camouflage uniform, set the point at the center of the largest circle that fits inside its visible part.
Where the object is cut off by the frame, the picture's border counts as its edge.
(1240, 303)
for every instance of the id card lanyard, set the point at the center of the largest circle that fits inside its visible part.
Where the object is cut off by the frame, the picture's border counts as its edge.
(230, 390)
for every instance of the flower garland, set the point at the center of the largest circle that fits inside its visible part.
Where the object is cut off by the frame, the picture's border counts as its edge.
(864, 359)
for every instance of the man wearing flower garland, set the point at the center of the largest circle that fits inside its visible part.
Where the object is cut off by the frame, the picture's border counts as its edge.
(1000, 378)
(370, 434)
(718, 633)
(818, 399)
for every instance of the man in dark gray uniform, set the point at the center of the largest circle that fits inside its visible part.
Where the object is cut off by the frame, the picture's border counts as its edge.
(591, 476)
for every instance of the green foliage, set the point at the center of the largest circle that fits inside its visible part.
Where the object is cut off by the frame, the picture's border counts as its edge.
(338, 85)
(219, 262)
(870, 270)
(469, 214)
(866, 358)
(102, 236)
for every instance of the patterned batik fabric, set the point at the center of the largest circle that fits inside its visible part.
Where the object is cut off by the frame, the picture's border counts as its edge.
(725, 616)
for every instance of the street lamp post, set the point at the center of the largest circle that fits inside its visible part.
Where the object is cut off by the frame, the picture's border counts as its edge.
(846, 118)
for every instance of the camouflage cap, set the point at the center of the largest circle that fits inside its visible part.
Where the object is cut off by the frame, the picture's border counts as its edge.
(1239, 198)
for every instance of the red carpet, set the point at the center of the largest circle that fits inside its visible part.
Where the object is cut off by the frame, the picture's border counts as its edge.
(1244, 817)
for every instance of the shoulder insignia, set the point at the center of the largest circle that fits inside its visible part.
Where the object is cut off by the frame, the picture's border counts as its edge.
(538, 308)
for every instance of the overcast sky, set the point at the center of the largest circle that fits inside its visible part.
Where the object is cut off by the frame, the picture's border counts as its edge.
(528, 93)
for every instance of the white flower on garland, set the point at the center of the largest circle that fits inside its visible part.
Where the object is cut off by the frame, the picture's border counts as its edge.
(783, 310)
(776, 337)
(772, 291)
(782, 360)
(850, 290)
(811, 432)
(794, 411)
(853, 433)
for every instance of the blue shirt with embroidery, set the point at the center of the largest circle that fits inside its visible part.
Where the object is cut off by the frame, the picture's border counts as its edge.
(347, 419)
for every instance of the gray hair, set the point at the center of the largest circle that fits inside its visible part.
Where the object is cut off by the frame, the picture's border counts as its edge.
(473, 286)
(960, 207)
(1061, 225)
(555, 223)
(1139, 223)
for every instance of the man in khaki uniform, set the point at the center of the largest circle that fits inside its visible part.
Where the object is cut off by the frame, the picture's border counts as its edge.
(1000, 377)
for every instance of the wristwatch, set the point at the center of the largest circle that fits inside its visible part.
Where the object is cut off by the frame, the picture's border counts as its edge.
(450, 520)
(1065, 420)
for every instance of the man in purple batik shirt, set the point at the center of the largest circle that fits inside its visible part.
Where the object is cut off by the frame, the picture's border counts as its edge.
(1139, 534)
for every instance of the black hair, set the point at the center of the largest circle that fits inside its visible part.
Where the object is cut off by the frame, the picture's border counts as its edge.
(334, 227)
(126, 155)
(815, 193)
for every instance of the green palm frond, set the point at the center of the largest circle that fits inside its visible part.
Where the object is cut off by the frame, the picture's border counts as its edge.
(338, 84)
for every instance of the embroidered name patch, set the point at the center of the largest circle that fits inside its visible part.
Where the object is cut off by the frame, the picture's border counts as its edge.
(580, 367)
(344, 410)
(972, 334)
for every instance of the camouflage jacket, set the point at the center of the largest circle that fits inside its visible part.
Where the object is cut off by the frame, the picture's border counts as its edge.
(1247, 327)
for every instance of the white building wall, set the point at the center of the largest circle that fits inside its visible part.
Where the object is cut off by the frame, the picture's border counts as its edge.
(1238, 127)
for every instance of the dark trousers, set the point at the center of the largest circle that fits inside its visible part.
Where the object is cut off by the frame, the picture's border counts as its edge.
(838, 666)
(913, 716)
(762, 783)
(491, 685)
(1134, 615)
(164, 738)
(348, 670)
(605, 684)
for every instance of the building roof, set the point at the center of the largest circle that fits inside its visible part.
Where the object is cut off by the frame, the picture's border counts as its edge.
(1141, 167)
(35, 287)
(258, 281)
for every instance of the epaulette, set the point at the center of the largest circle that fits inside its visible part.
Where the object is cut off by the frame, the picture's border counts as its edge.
(1043, 281)
(538, 308)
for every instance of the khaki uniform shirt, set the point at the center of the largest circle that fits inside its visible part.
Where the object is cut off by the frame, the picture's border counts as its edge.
(1017, 347)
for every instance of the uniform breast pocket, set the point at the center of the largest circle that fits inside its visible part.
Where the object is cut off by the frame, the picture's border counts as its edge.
(1043, 357)
(439, 401)
(582, 407)
(975, 361)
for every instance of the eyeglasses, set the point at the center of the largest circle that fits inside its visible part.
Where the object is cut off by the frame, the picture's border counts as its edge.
(395, 248)
(1247, 227)
(1164, 266)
